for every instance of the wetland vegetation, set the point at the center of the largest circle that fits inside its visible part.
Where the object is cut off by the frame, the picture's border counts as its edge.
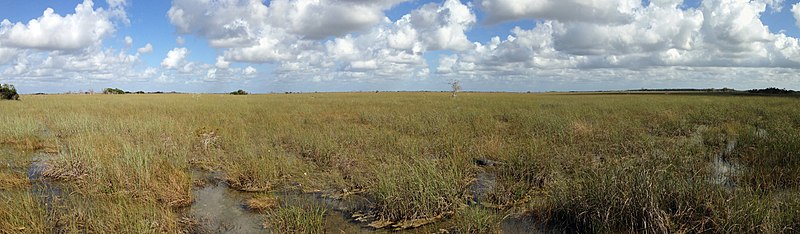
(413, 162)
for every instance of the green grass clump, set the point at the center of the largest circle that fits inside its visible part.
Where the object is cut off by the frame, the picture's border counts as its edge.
(97, 213)
(634, 195)
(297, 219)
(21, 212)
(417, 189)
(476, 220)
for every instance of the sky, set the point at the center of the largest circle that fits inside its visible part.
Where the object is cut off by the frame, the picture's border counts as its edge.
(212, 46)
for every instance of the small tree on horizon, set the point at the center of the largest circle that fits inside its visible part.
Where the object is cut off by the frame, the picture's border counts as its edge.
(239, 92)
(8, 92)
(456, 87)
(113, 91)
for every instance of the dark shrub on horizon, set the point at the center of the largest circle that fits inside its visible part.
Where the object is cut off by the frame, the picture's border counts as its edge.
(239, 92)
(113, 91)
(8, 92)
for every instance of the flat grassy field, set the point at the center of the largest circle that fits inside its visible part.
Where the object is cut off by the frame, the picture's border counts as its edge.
(478, 163)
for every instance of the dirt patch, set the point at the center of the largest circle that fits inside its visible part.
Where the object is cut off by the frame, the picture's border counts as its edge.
(11, 180)
(261, 203)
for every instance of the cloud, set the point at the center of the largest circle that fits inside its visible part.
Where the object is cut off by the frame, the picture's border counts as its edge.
(175, 58)
(221, 63)
(249, 71)
(796, 13)
(775, 5)
(128, 41)
(386, 50)
(606, 11)
(179, 40)
(116, 9)
(232, 23)
(604, 35)
(148, 48)
(434, 27)
(93, 65)
(7, 54)
(654, 28)
(61, 48)
(735, 25)
(51, 31)
(719, 33)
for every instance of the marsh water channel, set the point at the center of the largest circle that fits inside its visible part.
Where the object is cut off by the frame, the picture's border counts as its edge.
(219, 209)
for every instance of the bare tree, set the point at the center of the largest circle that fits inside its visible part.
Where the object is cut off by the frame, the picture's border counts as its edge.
(456, 87)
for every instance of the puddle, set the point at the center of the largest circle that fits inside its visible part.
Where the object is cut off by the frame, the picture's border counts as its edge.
(42, 187)
(696, 138)
(723, 171)
(338, 218)
(762, 133)
(483, 186)
(219, 209)
(520, 224)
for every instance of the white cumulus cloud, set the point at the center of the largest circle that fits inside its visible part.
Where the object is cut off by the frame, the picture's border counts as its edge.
(175, 58)
(221, 63)
(128, 41)
(7, 54)
(231, 23)
(436, 27)
(249, 71)
(562, 10)
(67, 48)
(661, 38)
(51, 31)
(146, 49)
(796, 12)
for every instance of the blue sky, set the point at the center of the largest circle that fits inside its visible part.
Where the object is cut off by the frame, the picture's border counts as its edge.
(345, 45)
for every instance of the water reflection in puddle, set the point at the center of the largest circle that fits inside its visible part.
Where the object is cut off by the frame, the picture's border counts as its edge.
(218, 209)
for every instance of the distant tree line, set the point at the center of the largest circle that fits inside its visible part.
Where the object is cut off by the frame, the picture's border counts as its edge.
(120, 91)
(686, 90)
(8, 92)
(772, 90)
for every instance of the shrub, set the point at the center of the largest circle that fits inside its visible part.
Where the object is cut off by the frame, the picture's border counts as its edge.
(113, 91)
(8, 92)
(239, 92)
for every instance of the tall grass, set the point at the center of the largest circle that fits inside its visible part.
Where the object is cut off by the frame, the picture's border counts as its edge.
(297, 219)
(589, 163)
(21, 212)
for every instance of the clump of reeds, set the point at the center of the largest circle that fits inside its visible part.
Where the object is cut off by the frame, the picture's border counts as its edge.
(297, 219)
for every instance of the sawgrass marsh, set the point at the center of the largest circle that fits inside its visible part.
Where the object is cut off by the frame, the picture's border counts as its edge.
(414, 161)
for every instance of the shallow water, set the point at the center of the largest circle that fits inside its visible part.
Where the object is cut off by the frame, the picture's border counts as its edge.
(483, 186)
(520, 224)
(47, 191)
(219, 209)
(338, 217)
(723, 170)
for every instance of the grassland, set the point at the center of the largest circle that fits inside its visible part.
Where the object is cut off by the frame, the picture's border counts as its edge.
(588, 163)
